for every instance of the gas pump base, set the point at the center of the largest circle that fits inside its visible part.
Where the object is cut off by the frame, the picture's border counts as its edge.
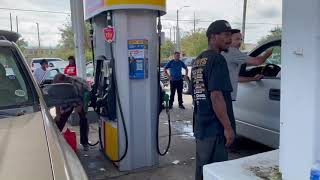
(109, 133)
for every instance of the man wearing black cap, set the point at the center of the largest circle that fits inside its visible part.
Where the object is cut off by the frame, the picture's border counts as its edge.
(213, 113)
(235, 58)
(176, 79)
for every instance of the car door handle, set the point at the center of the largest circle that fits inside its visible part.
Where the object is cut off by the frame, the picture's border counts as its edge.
(274, 94)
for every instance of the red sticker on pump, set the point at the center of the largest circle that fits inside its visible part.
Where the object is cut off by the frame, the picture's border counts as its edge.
(109, 34)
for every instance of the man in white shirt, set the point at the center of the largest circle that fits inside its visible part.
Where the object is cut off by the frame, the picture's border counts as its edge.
(235, 58)
(41, 71)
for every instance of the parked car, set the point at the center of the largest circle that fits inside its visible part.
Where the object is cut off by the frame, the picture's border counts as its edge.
(163, 78)
(90, 73)
(164, 63)
(257, 109)
(48, 77)
(187, 82)
(188, 60)
(32, 147)
(61, 65)
(52, 62)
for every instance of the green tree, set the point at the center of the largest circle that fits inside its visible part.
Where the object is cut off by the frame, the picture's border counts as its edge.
(194, 43)
(66, 43)
(274, 33)
(22, 44)
(167, 49)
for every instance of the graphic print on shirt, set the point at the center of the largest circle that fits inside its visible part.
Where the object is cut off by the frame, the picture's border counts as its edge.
(71, 70)
(198, 67)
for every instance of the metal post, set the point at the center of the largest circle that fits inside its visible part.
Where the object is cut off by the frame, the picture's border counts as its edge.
(194, 22)
(17, 23)
(11, 21)
(77, 17)
(174, 35)
(38, 35)
(178, 33)
(170, 34)
(244, 20)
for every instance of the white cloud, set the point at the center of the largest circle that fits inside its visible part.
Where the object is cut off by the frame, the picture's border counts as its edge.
(48, 23)
(267, 12)
(262, 15)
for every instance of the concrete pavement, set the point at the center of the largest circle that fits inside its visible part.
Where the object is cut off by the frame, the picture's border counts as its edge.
(178, 164)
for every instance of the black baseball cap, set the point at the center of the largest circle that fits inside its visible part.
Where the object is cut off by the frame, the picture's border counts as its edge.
(43, 61)
(220, 26)
(234, 31)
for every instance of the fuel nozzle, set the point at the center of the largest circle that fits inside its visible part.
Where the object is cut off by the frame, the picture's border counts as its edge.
(166, 101)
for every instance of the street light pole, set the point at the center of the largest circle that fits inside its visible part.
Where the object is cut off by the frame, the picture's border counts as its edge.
(244, 19)
(178, 44)
(38, 39)
(38, 35)
(178, 33)
(10, 21)
(17, 22)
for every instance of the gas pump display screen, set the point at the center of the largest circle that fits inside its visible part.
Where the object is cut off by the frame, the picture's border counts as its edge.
(138, 59)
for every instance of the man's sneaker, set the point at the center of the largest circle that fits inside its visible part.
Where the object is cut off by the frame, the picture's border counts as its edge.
(86, 147)
(182, 107)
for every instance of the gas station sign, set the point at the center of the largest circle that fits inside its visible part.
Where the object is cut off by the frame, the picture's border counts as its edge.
(95, 7)
(109, 34)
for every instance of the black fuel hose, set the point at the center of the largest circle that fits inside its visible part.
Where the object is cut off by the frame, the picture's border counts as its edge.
(120, 107)
(92, 49)
(159, 92)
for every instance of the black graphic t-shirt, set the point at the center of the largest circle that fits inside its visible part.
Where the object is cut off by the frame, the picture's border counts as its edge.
(210, 73)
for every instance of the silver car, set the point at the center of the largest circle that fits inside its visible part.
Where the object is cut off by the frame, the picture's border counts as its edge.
(257, 109)
(31, 146)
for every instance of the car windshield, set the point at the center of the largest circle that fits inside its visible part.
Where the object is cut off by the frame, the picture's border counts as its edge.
(15, 92)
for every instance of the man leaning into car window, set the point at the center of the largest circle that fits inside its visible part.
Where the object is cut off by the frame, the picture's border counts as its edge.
(40, 72)
(63, 113)
(235, 58)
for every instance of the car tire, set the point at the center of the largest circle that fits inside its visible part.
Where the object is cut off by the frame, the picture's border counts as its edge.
(186, 87)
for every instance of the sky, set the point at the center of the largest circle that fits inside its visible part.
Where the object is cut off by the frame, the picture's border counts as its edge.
(262, 16)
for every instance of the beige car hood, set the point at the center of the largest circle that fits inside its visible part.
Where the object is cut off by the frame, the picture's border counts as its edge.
(23, 149)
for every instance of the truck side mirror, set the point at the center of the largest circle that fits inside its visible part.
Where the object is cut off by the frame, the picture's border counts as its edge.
(60, 94)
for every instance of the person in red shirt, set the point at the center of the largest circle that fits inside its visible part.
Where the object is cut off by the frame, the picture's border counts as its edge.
(71, 69)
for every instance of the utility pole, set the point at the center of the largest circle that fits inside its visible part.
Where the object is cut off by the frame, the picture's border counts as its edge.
(178, 33)
(170, 34)
(38, 35)
(11, 21)
(174, 34)
(194, 22)
(17, 23)
(178, 47)
(244, 19)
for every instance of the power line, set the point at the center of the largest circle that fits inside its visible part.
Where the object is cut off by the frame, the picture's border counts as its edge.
(38, 11)
(207, 21)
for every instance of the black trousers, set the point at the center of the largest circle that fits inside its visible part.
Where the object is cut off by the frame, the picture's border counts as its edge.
(84, 126)
(176, 86)
(209, 150)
